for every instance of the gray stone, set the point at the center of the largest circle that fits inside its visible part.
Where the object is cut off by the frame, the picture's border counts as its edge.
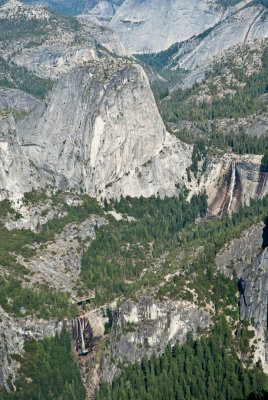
(236, 256)
(154, 25)
(147, 325)
(16, 174)
(236, 29)
(60, 49)
(100, 130)
(253, 303)
(16, 99)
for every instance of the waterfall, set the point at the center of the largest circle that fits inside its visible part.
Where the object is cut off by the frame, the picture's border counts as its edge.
(232, 186)
(82, 337)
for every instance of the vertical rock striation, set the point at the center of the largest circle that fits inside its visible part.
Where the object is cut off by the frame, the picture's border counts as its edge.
(254, 303)
(17, 175)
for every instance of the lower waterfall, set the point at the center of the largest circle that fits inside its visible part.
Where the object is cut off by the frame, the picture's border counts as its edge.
(82, 337)
(232, 186)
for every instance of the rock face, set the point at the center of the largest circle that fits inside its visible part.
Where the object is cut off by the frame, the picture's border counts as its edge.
(254, 180)
(16, 99)
(246, 25)
(253, 303)
(51, 61)
(16, 174)
(13, 333)
(250, 182)
(237, 255)
(59, 264)
(176, 20)
(100, 129)
(147, 326)
(246, 258)
(199, 54)
(141, 327)
(54, 263)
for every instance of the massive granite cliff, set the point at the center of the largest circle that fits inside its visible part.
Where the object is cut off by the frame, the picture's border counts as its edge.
(17, 175)
(148, 326)
(202, 28)
(253, 303)
(100, 130)
(246, 25)
(212, 26)
(176, 20)
(199, 54)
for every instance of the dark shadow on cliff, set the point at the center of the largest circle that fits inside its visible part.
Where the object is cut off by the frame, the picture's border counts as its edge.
(265, 234)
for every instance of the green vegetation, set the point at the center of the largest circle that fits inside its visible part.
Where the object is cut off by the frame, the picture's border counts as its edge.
(263, 2)
(228, 3)
(6, 208)
(182, 104)
(42, 302)
(186, 105)
(158, 60)
(166, 230)
(211, 139)
(20, 241)
(47, 371)
(129, 327)
(163, 229)
(208, 368)
(36, 196)
(199, 245)
(22, 28)
(14, 77)
(245, 144)
(68, 7)
(247, 101)
(108, 325)
(122, 249)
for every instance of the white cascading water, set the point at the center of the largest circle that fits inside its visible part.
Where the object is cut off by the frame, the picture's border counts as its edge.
(82, 337)
(232, 186)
